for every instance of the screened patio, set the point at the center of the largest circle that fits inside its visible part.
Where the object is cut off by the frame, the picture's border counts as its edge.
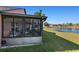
(21, 29)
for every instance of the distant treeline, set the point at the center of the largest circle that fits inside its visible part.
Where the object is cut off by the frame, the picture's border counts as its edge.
(47, 24)
(71, 24)
(65, 25)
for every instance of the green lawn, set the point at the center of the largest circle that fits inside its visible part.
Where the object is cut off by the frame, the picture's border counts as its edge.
(51, 43)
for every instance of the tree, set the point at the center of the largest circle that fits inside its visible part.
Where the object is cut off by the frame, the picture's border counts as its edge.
(46, 24)
(77, 24)
(39, 13)
(69, 24)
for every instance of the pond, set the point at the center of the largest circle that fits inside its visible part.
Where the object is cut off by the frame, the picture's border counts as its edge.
(65, 30)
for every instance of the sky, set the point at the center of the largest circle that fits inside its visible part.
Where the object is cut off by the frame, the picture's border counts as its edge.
(56, 14)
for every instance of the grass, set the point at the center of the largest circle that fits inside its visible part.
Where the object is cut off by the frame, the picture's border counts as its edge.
(51, 43)
(68, 36)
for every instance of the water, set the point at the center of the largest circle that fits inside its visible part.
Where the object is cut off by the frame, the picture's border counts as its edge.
(65, 30)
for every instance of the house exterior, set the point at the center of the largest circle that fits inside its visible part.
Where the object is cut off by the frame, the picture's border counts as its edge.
(18, 28)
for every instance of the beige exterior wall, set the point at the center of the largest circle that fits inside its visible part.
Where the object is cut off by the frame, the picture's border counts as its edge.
(0, 29)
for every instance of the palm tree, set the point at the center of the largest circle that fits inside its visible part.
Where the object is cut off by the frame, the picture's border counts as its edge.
(39, 13)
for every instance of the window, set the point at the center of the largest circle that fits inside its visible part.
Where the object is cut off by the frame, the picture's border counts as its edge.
(21, 27)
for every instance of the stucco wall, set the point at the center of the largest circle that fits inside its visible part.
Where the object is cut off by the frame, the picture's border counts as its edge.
(24, 40)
